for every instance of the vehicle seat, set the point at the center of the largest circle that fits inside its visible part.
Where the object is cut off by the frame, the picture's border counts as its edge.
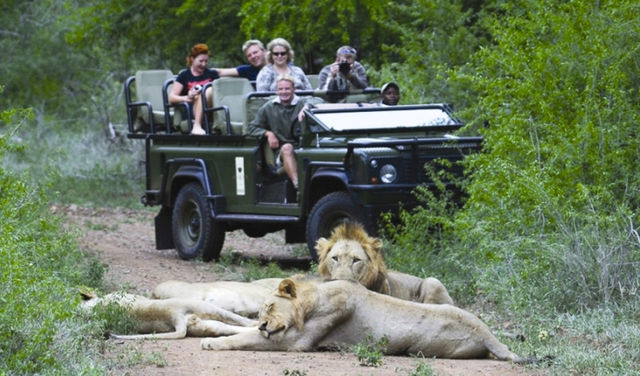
(314, 79)
(231, 92)
(177, 115)
(146, 113)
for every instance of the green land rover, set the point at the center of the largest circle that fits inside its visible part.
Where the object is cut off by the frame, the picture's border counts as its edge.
(356, 160)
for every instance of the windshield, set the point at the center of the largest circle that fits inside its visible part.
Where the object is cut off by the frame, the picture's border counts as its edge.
(384, 118)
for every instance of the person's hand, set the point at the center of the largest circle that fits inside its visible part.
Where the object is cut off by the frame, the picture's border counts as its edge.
(301, 114)
(272, 140)
(193, 93)
(334, 68)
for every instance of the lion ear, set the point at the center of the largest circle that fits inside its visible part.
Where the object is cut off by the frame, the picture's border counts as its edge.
(321, 245)
(287, 289)
(377, 245)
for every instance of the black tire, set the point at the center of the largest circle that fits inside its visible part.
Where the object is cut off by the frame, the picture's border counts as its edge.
(330, 211)
(194, 231)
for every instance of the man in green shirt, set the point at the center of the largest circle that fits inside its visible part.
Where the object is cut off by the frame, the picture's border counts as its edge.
(273, 123)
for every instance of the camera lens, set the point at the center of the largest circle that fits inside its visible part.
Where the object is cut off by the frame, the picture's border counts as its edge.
(345, 67)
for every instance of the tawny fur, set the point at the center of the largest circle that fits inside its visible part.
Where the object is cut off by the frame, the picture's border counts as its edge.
(351, 254)
(173, 318)
(243, 298)
(306, 315)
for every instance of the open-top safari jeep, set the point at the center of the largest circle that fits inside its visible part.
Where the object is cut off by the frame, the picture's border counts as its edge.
(355, 159)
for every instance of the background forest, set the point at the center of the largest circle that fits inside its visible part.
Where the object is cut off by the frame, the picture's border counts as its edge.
(548, 237)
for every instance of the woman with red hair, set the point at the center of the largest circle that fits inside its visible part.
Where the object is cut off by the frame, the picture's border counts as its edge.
(188, 84)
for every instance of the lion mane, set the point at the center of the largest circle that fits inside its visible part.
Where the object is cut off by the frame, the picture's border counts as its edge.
(374, 276)
(351, 254)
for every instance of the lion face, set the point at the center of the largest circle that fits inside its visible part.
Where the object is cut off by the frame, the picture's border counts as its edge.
(280, 312)
(347, 260)
(351, 254)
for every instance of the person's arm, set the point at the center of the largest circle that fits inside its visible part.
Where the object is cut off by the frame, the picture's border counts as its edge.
(306, 85)
(263, 81)
(176, 90)
(323, 77)
(227, 72)
(308, 103)
(358, 77)
(258, 126)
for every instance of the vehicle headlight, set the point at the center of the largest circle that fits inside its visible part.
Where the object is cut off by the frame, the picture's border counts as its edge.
(388, 174)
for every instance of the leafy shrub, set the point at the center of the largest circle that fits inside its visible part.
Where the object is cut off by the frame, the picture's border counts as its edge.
(422, 369)
(370, 352)
(552, 211)
(39, 262)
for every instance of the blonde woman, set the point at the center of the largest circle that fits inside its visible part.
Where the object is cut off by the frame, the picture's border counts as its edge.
(280, 62)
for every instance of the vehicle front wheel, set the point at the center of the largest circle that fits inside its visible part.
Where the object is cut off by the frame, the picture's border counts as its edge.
(194, 231)
(329, 212)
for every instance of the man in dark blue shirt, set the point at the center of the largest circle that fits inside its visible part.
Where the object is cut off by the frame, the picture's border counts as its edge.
(254, 50)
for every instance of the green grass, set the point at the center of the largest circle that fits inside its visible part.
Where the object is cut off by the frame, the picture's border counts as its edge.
(370, 351)
(40, 263)
(79, 165)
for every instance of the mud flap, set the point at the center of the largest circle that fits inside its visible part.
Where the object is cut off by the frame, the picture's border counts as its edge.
(164, 234)
(295, 234)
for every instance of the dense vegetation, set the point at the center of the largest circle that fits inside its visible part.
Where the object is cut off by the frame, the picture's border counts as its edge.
(548, 237)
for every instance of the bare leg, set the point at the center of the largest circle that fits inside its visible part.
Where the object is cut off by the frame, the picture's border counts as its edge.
(289, 162)
(199, 113)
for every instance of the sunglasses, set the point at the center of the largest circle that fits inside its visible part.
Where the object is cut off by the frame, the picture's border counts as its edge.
(280, 53)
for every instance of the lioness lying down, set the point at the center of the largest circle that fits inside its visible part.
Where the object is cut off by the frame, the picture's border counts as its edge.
(305, 315)
(173, 318)
(350, 253)
(243, 298)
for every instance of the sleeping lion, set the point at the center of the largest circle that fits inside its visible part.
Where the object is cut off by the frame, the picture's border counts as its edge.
(243, 298)
(172, 318)
(350, 253)
(304, 315)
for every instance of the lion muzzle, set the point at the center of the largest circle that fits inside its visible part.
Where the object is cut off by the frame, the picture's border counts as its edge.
(266, 333)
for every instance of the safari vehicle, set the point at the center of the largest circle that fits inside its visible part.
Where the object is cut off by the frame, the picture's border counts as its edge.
(355, 159)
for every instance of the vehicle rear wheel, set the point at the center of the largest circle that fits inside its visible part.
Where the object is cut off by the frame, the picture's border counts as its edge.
(329, 212)
(194, 231)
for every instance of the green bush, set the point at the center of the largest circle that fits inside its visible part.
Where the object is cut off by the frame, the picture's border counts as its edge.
(548, 236)
(39, 264)
(553, 198)
(371, 351)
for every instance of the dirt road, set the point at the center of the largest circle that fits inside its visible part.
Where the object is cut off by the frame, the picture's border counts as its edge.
(124, 240)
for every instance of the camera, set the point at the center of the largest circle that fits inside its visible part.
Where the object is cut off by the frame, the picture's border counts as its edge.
(197, 87)
(345, 67)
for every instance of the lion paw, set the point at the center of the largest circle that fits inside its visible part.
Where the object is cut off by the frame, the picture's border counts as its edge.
(212, 344)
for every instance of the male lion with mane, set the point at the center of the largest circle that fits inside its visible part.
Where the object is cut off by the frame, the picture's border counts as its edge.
(304, 315)
(351, 254)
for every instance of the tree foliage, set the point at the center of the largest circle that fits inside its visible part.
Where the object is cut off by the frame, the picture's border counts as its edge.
(433, 37)
(552, 213)
(318, 28)
(560, 89)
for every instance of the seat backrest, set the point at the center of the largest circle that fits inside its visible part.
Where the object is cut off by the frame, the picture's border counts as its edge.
(314, 79)
(149, 86)
(231, 92)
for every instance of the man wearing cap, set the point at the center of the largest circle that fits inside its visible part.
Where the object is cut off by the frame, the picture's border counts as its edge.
(390, 94)
(352, 75)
